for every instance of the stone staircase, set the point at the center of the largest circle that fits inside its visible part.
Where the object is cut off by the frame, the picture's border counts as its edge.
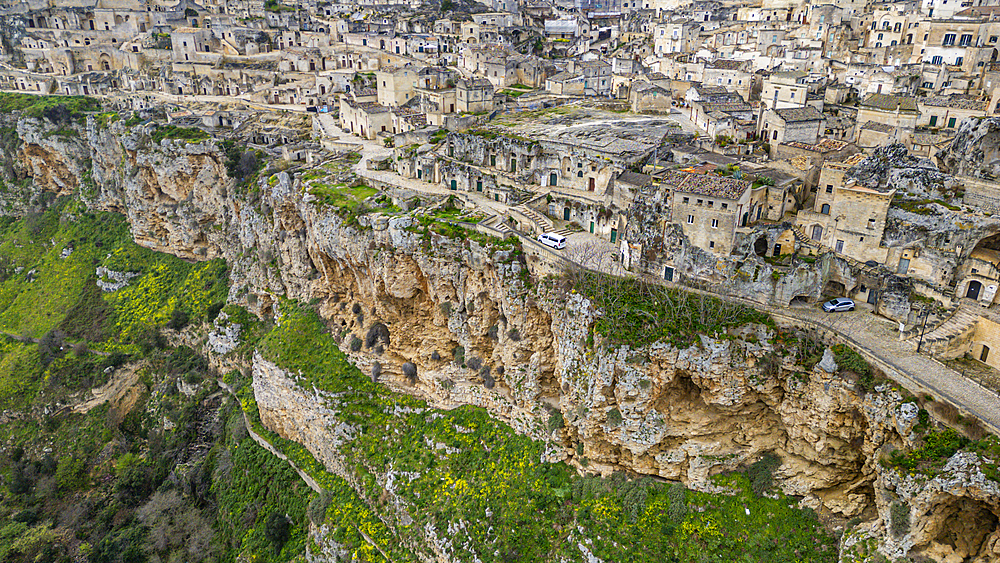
(543, 223)
(959, 325)
(807, 241)
(496, 222)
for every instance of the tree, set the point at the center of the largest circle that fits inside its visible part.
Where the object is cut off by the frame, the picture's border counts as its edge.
(277, 530)
(58, 114)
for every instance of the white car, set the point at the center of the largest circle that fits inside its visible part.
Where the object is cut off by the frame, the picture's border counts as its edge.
(838, 304)
(555, 241)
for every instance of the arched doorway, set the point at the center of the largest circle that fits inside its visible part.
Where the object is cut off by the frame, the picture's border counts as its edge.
(975, 287)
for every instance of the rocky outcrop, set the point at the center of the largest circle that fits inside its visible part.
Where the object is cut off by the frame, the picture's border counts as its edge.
(892, 167)
(975, 150)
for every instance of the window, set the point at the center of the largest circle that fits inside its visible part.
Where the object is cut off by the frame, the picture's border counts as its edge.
(725, 206)
(993, 39)
(871, 223)
(701, 201)
(879, 36)
(829, 188)
(690, 219)
(966, 40)
(686, 200)
(951, 122)
(825, 210)
(933, 120)
(958, 61)
(936, 60)
(711, 244)
(715, 223)
(949, 39)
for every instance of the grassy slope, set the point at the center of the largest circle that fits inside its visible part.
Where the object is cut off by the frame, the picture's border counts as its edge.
(95, 485)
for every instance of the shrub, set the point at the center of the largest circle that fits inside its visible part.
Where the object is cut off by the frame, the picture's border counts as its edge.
(936, 449)
(377, 333)
(435, 356)
(899, 518)
(474, 363)
(637, 313)
(213, 311)
(488, 381)
(492, 332)
(514, 335)
(677, 503)
(318, 506)
(500, 370)
(555, 421)
(277, 530)
(761, 473)
(614, 417)
(410, 371)
(356, 309)
(189, 134)
(849, 360)
(355, 343)
(178, 319)
(458, 354)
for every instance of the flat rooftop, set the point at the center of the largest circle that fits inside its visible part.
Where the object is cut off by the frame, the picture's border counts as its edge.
(616, 135)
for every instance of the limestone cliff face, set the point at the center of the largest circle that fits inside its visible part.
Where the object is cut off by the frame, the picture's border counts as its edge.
(450, 304)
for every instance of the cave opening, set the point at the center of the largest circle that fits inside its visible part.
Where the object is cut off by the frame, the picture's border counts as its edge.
(760, 246)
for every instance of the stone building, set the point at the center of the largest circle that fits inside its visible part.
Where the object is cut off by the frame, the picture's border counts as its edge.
(474, 95)
(847, 217)
(900, 112)
(710, 208)
(801, 124)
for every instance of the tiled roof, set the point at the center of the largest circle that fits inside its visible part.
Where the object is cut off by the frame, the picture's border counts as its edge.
(880, 127)
(730, 107)
(728, 64)
(706, 184)
(372, 107)
(794, 115)
(634, 178)
(886, 102)
(711, 90)
(955, 102)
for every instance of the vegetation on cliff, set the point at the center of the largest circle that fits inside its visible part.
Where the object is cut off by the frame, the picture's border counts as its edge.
(489, 491)
(638, 313)
(53, 108)
(155, 466)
